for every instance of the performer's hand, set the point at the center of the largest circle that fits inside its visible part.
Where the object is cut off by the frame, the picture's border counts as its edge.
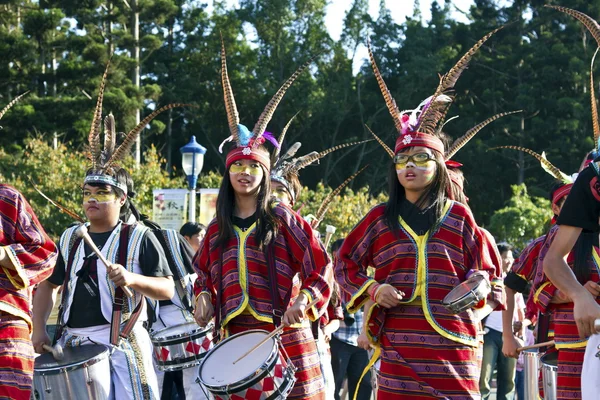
(510, 343)
(120, 276)
(204, 310)
(593, 288)
(39, 338)
(295, 314)
(586, 312)
(363, 341)
(388, 296)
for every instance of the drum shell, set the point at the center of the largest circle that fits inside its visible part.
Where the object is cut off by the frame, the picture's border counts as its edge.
(549, 362)
(89, 380)
(531, 370)
(177, 352)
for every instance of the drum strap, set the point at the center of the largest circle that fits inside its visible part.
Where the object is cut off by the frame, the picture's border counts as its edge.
(115, 324)
(217, 333)
(65, 287)
(278, 310)
(180, 285)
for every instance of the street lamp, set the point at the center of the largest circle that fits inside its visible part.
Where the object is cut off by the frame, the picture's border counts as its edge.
(192, 161)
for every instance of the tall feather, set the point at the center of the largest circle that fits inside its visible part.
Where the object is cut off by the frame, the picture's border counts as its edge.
(233, 117)
(585, 19)
(546, 165)
(291, 152)
(64, 209)
(461, 141)
(381, 142)
(435, 112)
(125, 147)
(267, 113)
(280, 139)
(110, 138)
(12, 103)
(314, 156)
(387, 96)
(94, 135)
(331, 196)
(595, 123)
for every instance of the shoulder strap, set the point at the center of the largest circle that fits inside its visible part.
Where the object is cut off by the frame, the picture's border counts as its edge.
(65, 289)
(217, 333)
(115, 324)
(179, 280)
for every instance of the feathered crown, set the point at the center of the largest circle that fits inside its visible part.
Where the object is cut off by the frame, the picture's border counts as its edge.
(12, 103)
(419, 127)
(286, 166)
(105, 160)
(550, 169)
(246, 141)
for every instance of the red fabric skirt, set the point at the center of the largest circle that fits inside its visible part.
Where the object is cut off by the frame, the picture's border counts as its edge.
(301, 347)
(419, 363)
(570, 365)
(16, 359)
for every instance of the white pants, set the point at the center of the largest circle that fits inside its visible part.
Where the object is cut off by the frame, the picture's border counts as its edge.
(132, 374)
(172, 315)
(590, 375)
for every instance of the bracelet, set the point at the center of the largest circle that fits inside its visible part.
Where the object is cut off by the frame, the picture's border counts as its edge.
(376, 292)
(376, 287)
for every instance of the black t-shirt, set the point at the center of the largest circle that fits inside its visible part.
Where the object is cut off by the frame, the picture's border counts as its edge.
(244, 223)
(420, 221)
(582, 208)
(85, 308)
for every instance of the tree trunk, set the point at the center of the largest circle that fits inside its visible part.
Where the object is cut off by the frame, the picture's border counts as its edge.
(135, 54)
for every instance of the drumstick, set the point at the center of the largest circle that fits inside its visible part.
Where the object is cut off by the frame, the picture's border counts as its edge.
(57, 351)
(83, 233)
(536, 346)
(277, 331)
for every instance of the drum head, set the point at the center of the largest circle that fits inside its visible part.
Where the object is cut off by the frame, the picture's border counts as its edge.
(73, 356)
(218, 368)
(177, 331)
(550, 359)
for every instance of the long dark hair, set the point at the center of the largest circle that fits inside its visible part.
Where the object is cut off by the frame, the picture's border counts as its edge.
(434, 195)
(266, 223)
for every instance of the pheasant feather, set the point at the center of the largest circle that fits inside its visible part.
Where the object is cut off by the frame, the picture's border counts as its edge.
(281, 137)
(94, 135)
(110, 138)
(382, 143)
(595, 123)
(387, 96)
(233, 117)
(331, 196)
(314, 156)
(64, 209)
(585, 19)
(546, 165)
(461, 141)
(12, 103)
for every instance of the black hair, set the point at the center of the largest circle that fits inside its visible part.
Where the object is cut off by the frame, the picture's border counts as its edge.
(190, 229)
(434, 195)
(555, 186)
(335, 246)
(503, 247)
(266, 222)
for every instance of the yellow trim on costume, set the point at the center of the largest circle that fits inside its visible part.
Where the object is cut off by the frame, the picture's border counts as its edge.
(421, 286)
(522, 277)
(313, 312)
(372, 362)
(351, 307)
(17, 268)
(576, 345)
(596, 257)
(536, 295)
(9, 308)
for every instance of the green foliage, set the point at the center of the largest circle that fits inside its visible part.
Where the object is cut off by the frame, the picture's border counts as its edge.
(523, 219)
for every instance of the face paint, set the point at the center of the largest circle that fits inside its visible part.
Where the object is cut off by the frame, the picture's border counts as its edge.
(281, 194)
(253, 169)
(99, 197)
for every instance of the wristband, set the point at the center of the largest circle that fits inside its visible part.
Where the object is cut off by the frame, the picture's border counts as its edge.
(375, 292)
(376, 287)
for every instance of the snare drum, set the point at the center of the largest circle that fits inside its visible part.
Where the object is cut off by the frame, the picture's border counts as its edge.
(181, 346)
(84, 373)
(266, 373)
(549, 363)
(467, 294)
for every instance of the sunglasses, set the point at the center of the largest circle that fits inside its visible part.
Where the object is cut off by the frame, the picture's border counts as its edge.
(419, 158)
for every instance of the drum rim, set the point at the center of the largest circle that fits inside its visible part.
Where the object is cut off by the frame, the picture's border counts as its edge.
(105, 354)
(247, 381)
(184, 363)
(176, 339)
(469, 299)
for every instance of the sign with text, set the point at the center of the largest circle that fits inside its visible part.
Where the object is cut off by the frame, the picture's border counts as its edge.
(208, 205)
(169, 208)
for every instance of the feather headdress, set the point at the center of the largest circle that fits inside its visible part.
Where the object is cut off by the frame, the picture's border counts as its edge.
(105, 159)
(285, 167)
(247, 142)
(550, 169)
(419, 127)
(12, 103)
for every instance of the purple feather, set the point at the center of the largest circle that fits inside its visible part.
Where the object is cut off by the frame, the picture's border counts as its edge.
(269, 136)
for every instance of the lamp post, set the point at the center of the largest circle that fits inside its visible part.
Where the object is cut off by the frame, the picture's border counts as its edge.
(192, 161)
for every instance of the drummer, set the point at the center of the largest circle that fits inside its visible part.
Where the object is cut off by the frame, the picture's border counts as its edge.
(93, 293)
(27, 256)
(421, 245)
(233, 272)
